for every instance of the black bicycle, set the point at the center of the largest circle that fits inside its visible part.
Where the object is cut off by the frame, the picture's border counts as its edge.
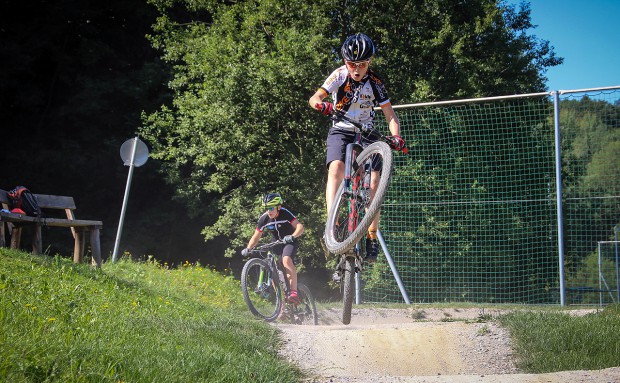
(265, 287)
(355, 206)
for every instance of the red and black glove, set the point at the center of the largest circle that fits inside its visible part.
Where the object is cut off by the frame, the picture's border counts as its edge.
(397, 143)
(324, 107)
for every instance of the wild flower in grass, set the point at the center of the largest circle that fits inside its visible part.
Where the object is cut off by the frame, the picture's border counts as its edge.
(52, 319)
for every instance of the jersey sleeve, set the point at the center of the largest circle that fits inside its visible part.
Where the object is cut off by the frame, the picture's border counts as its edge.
(332, 82)
(262, 221)
(287, 215)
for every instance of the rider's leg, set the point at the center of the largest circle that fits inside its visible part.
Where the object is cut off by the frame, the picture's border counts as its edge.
(291, 271)
(335, 175)
(372, 244)
(337, 141)
(375, 177)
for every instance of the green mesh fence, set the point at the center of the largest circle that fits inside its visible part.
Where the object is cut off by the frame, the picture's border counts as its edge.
(471, 215)
(591, 196)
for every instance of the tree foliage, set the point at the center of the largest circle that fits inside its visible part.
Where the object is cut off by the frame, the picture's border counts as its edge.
(239, 124)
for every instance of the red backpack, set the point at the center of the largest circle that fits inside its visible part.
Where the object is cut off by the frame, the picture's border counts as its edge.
(22, 201)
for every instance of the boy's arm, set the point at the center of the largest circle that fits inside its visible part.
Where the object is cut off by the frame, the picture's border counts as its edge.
(255, 238)
(392, 119)
(317, 98)
(299, 228)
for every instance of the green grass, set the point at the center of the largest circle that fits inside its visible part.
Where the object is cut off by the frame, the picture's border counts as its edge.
(142, 322)
(556, 341)
(129, 322)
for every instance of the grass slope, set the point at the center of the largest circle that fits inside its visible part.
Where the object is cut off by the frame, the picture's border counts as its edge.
(129, 322)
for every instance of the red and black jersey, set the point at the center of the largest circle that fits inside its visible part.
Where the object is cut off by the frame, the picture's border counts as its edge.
(280, 226)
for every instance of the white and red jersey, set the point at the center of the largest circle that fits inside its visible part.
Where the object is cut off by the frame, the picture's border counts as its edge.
(356, 99)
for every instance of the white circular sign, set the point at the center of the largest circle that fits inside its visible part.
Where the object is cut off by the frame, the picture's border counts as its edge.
(142, 152)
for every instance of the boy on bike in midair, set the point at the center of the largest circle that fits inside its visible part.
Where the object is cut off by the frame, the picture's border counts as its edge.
(356, 90)
(283, 226)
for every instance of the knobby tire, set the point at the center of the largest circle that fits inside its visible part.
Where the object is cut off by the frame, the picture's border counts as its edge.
(264, 301)
(348, 287)
(338, 239)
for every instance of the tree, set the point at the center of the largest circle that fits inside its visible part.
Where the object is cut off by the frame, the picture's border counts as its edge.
(441, 50)
(239, 124)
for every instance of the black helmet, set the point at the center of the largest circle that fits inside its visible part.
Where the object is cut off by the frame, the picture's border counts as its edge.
(272, 200)
(357, 47)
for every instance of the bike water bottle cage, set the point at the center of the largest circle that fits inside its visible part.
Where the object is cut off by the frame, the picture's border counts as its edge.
(272, 200)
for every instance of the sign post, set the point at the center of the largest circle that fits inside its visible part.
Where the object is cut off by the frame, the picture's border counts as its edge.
(134, 153)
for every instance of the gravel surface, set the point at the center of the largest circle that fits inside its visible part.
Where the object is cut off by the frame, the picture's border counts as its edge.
(414, 346)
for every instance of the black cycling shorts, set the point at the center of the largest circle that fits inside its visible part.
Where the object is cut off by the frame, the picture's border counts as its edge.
(287, 250)
(337, 141)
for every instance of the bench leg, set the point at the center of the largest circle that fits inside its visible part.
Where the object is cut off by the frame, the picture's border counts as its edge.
(78, 246)
(16, 237)
(95, 247)
(2, 233)
(37, 242)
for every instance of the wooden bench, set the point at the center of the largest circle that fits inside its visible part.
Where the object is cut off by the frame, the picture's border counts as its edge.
(51, 204)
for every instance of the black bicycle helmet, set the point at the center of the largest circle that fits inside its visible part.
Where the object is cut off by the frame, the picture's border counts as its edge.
(272, 200)
(358, 47)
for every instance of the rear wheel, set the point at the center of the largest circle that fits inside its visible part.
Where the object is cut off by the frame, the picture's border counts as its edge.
(261, 292)
(353, 211)
(305, 311)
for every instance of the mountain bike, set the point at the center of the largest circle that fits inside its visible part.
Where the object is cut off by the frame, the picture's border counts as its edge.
(265, 286)
(355, 206)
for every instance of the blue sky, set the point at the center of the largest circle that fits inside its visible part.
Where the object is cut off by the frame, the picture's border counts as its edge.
(585, 34)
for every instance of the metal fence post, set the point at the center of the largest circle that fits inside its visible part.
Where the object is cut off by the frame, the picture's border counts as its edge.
(558, 182)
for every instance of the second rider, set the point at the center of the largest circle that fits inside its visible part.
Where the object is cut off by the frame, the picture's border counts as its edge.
(283, 226)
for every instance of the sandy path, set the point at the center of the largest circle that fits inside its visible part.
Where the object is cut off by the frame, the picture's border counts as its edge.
(438, 346)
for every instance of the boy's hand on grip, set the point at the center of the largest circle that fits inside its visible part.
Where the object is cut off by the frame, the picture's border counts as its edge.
(325, 108)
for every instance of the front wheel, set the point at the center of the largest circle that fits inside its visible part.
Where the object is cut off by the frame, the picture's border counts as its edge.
(348, 286)
(261, 290)
(353, 210)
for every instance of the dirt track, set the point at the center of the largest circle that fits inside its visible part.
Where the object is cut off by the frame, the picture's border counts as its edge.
(414, 346)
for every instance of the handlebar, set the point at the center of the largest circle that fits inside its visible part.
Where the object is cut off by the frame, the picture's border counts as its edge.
(367, 130)
(266, 246)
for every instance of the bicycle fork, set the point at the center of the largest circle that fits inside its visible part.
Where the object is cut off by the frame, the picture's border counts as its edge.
(263, 284)
(355, 253)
